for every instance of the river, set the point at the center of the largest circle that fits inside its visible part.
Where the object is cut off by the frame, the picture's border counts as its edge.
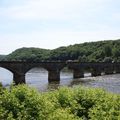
(38, 78)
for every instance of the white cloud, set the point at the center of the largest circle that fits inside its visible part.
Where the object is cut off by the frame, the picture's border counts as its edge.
(72, 11)
(52, 9)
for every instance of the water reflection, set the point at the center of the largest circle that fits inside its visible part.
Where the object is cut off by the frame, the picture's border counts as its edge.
(38, 78)
(6, 77)
(53, 85)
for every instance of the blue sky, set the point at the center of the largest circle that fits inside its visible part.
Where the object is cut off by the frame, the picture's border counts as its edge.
(54, 23)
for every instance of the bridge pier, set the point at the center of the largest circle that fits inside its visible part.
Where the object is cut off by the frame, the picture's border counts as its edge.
(53, 75)
(109, 70)
(117, 68)
(19, 78)
(96, 72)
(78, 73)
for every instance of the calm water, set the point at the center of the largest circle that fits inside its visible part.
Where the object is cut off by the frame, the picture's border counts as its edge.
(38, 78)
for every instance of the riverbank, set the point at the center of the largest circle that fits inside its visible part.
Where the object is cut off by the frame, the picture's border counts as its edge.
(22, 102)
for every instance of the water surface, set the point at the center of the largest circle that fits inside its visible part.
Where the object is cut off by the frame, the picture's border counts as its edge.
(38, 78)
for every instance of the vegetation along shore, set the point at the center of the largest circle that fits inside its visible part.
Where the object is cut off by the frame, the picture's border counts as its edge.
(79, 103)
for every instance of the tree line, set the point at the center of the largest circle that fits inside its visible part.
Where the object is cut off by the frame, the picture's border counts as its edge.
(101, 51)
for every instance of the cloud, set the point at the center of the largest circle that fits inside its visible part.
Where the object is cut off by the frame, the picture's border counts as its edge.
(51, 9)
(41, 22)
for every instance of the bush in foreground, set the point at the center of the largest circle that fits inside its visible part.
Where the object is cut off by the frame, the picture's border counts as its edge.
(23, 103)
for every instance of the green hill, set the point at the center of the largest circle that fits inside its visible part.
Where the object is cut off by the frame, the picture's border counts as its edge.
(87, 52)
(28, 54)
(2, 57)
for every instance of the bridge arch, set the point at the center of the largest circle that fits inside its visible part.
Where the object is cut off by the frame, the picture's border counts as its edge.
(66, 76)
(36, 76)
(30, 67)
(8, 69)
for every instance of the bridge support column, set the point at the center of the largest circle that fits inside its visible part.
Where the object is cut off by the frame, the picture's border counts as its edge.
(117, 68)
(109, 70)
(53, 75)
(78, 73)
(96, 72)
(19, 78)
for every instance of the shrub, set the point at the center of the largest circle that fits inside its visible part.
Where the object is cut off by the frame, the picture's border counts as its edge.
(24, 103)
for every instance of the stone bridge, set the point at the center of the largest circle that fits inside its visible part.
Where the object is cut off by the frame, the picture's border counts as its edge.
(19, 69)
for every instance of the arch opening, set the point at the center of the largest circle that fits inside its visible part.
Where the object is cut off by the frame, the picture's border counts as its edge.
(87, 71)
(66, 76)
(37, 77)
(6, 77)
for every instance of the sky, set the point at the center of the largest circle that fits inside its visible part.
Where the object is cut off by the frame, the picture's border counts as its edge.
(53, 23)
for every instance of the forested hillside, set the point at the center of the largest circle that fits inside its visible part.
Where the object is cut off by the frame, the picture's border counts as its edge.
(2, 57)
(29, 54)
(86, 52)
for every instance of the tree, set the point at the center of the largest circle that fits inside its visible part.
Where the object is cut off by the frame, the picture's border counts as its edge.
(107, 59)
(116, 52)
(108, 51)
(82, 58)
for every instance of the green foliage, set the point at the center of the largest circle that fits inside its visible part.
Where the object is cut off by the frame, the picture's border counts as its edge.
(82, 59)
(116, 52)
(107, 59)
(28, 54)
(86, 52)
(23, 103)
(2, 57)
(108, 50)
